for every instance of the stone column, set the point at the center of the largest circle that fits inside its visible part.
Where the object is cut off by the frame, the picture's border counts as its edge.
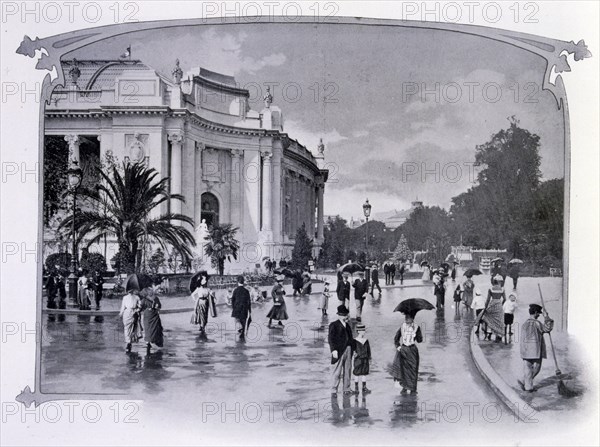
(267, 202)
(74, 142)
(320, 217)
(176, 140)
(236, 187)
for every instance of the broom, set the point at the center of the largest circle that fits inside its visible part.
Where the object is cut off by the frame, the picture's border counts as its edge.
(563, 390)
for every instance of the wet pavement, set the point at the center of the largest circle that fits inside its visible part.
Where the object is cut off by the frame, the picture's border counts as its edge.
(282, 374)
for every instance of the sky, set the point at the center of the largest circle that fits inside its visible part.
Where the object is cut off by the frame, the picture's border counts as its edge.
(400, 110)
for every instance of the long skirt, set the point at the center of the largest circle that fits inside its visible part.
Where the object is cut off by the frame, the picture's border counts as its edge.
(84, 299)
(200, 315)
(153, 330)
(405, 368)
(425, 276)
(323, 302)
(278, 312)
(132, 326)
(494, 317)
(467, 298)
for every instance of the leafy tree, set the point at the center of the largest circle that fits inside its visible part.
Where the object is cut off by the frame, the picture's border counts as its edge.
(121, 208)
(157, 261)
(56, 159)
(402, 252)
(62, 260)
(430, 229)
(222, 246)
(302, 251)
(336, 236)
(92, 262)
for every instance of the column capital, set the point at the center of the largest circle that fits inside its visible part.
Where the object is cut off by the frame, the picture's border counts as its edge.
(266, 156)
(72, 139)
(236, 153)
(176, 137)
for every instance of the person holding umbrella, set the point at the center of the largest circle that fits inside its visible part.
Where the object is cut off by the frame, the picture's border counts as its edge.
(279, 309)
(241, 304)
(405, 368)
(468, 288)
(202, 297)
(514, 271)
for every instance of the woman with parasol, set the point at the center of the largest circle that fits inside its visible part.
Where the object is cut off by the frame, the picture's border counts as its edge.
(203, 300)
(405, 368)
(468, 287)
(493, 314)
(279, 309)
(130, 308)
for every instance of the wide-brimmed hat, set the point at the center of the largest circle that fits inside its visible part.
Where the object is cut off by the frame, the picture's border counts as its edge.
(280, 278)
(342, 310)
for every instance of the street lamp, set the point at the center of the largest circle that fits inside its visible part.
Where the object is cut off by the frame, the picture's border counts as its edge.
(74, 176)
(367, 211)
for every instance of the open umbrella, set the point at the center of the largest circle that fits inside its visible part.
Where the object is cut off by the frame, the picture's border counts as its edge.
(195, 280)
(515, 261)
(472, 272)
(265, 258)
(497, 260)
(412, 305)
(138, 281)
(424, 263)
(445, 265)
(351, 267)
(284, 271)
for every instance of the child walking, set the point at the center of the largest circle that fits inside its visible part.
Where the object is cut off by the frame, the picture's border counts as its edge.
(509, 307)
(362, 359)
(324, 301)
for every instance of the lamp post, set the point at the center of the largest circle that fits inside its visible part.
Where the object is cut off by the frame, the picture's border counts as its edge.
(367, 211)
(74, 176)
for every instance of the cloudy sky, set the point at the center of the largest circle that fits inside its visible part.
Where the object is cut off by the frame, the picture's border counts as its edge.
(400, 110)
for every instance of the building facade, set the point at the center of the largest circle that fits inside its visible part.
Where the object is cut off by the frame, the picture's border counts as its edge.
(232, 164)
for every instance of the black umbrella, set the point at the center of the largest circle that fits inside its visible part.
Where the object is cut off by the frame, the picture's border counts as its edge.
(351, 267)
(285, 271)
(138, 281)
(195, 280)
(445, 265)
(412, 305)
(424, 263)
(472, 272)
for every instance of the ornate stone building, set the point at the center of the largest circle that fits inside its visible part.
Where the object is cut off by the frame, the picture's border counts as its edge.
(232, 164)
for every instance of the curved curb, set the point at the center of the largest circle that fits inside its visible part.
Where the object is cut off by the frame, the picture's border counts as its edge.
(521, 409)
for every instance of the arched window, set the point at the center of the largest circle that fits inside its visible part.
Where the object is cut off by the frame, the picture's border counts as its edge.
(209, 209)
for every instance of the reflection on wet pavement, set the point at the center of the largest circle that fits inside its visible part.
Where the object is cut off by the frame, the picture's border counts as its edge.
(284, 369)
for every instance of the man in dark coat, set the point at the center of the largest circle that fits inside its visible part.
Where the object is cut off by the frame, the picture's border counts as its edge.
(533, 347)
(392, 272)
(51, 291)
(343, 289)
(513, 272)
(361, 288)
(401, 271)
(386, 271)
(99, 281)
(341, 344)
(240, 302)
(375, 279)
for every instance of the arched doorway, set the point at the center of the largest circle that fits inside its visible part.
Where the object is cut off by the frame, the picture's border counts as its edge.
(209, 209)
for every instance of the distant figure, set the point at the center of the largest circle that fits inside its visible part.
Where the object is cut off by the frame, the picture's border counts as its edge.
(386, 271)
(405, 368)
(426, 270)
(341, 344)
(453, 274)
(130, 312)
(361, 288)
(362, 359)
(533, 346)
(279, 309)
(240, 301)
(468, 288)
(509, 307)
(306, 284)
(62, 291)
(493, 314)
(83, 293)
(99, 289)
(324, 301)
(202, 297)
(514, 272)
(439, 289)
(375, 279)
(297, 282)
(392, 272)
(401, 272)
(479, 305)
(343, 290)
(51, 291)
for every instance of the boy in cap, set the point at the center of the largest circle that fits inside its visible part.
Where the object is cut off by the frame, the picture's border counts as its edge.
(341, 344)
(533, 346)
(362, 359)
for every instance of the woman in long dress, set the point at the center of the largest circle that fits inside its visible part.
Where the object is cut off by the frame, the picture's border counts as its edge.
(153, 330)
(405, 368)
(201, 296)
(467, 292)
(493, 314)
(83, 293)
(130, 312)
(425, 276)
(279, 309)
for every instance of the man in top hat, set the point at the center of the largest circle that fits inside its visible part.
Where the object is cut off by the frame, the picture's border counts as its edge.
(341, 344)
(533, 346)
(343, 289)
(361, 288)
(240, 302)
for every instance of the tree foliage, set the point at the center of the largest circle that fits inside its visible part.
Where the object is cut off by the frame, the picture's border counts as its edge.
(223, 246)
(302, 251)
(402, 253)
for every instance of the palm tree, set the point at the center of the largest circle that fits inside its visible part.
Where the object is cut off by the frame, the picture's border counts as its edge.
(122, 206)
(221, 246)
